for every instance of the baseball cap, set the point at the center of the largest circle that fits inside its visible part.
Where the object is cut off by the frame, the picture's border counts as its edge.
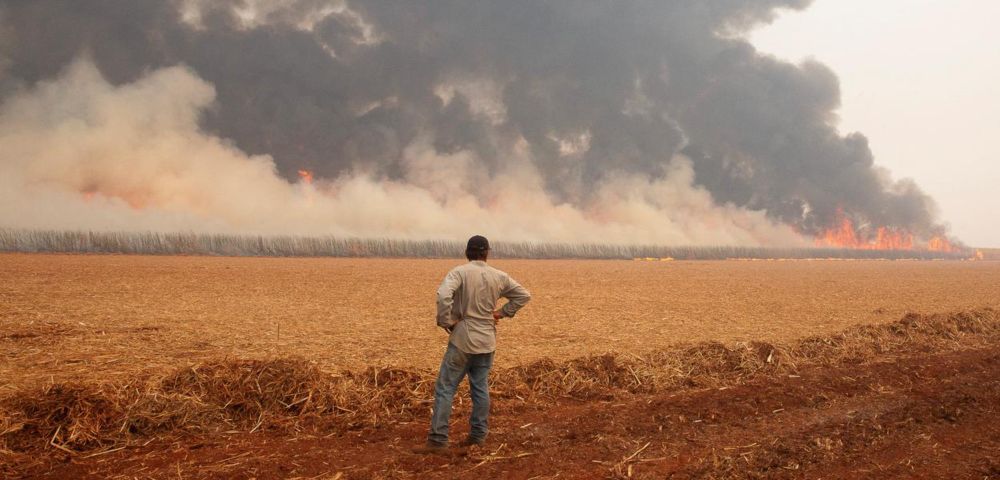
(478, 243)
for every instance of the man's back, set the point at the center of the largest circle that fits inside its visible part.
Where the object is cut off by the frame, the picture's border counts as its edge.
(466, 300)
(466, 303)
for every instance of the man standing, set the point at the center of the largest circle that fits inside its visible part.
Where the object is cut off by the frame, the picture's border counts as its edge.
(466, 309)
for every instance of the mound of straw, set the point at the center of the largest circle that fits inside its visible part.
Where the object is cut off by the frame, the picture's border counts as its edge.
(292, 393)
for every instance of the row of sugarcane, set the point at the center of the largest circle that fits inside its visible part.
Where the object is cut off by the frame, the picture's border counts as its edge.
(161, 243)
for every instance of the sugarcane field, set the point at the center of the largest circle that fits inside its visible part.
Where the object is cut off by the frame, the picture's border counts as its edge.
(518, 239)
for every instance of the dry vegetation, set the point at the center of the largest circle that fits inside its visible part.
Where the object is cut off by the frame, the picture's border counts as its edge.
(156, 243)
(103, 353)
(88, 415)
(65, 317)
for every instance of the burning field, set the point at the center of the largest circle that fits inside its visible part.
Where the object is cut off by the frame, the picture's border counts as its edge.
(665, 126)
(222, 224)
(201, 367)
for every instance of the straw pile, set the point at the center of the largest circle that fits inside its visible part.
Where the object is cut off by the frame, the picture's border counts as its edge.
(293, 394)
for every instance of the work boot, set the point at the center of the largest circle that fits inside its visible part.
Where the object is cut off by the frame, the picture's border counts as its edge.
(471, 441)
(431, 447)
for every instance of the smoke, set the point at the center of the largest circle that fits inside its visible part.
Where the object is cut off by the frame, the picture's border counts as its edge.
(78, 152)
(638, 122)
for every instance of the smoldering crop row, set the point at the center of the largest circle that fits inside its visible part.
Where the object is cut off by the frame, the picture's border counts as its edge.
(155, 243)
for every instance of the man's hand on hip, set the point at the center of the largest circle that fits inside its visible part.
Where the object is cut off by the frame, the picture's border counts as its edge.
(497, 315)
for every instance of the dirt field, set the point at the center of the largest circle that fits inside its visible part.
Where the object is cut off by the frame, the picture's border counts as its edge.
(910, 399)
(65, 317)
(920, 417)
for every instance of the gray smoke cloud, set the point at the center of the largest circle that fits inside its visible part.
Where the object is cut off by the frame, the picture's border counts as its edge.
(597, 104)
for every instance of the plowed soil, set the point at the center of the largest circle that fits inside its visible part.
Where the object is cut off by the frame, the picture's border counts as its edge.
(912, 417)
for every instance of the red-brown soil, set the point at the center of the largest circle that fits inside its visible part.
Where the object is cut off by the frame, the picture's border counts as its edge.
(918, 416)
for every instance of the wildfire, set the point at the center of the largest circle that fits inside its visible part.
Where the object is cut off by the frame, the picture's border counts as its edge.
(306, 176)
(940, 244)
(845, 235)
(889, 239)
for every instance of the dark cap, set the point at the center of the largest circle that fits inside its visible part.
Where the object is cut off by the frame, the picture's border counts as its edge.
(478, 243)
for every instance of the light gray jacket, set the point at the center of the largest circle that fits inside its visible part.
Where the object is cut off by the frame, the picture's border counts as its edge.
(466, 300)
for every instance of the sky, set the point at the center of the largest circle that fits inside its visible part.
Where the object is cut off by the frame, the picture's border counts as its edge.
(921, 79)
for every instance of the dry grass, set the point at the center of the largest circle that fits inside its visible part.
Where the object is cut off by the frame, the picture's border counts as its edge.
(81, 418)
(65, 317)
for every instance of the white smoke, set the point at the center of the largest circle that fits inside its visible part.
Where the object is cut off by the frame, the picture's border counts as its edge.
(80, 153)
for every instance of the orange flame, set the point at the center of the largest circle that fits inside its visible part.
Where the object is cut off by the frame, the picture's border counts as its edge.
(845, 235)
(979, 255)
(306, 176)
(890, 239)
(842, 235)
(940, 244)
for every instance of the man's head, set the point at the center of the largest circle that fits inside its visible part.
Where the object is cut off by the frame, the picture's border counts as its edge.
(478, 248)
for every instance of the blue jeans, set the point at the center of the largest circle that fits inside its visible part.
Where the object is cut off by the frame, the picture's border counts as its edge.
(455, 365)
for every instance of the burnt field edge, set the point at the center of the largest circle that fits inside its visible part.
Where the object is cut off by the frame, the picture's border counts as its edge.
(158, 243)
(292, 394)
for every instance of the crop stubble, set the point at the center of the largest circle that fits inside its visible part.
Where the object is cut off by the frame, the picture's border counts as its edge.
(66, 317)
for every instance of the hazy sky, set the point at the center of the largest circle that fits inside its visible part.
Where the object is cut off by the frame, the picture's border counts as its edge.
(921, 79)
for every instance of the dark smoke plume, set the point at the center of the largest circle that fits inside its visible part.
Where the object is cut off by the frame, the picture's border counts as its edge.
(588, 91)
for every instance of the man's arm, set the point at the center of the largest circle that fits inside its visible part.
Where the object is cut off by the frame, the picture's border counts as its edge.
(516, 295)
(446, 298)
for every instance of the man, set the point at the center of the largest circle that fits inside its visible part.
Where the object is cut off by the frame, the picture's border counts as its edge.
(466, 309)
